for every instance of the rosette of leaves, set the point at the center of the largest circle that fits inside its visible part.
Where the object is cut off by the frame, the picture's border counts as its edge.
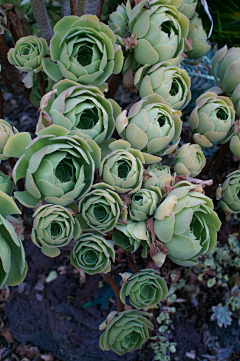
(122, 168)
(83, 50)
(157, 176)
(6, 185)
(13, 265)
(145, 289)
(235, 140)
(196, 44)
(212, 120)
(58, 168)
(131, 235)
(6, 131)
(229, 193)
(189, 160)
(101, 208)
(157, 31)
(151, 126)
(82, 110)
(92, 253)
(126, 332)
(143, 205)
(187, 224)
(169, 81)
(53, 227)
(27, 56)
(189, 8)
(225, 68)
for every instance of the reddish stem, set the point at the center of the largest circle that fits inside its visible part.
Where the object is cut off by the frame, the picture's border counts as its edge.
(110, 280)
(131, 262)
(41, 83)
(113, 83)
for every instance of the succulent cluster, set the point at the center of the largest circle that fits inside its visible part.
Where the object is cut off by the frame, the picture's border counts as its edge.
(93, 174)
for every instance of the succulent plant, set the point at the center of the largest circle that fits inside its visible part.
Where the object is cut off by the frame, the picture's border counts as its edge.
(84, 50)
(196, 45)
(169, 81)
(157, 176)
(58, 168)
(189, 160)
(101, 208)
(13, 264)
(131, 235)
(236, 100)
(235, 140)
(28, 54)
(6, 131)
(6, 185)
(126, 332)
(82, 110)
(158, 32)
(123, 167)
(225, 68)
(189, 8)
(118, 20)
(229, 193)
(143, 205)
(186, 223)
(53, 227)
(92, 253)
(145, 289)
(151, 126)
(212, 120)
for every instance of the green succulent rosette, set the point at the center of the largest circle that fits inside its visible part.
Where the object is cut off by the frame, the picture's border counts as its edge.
(122, 167)
(131, 235)
(58, 168)
(6, 131)
(225, 68)
(126, 332)
(189, 8)
(28, 53)
(13, 265)
(151, 126)
(92, 253)
(196, 44)
(6, 185)
(145, 289)
(189, 160)
(157, 31)
(143, 205)
(235, 140)
(186, 224)
(53, 227)
(84, 50)
(157, 176)
(212, 120)
(169, 81)
(101, 208)
(82, 110)
(229, 193)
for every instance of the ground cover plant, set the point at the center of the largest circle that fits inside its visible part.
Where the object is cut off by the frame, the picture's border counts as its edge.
(121, 172)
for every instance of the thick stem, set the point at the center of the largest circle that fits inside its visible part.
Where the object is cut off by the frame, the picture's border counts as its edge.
(99, 10)
(41, 83)
(110, 280)
(73, 7)
(41, 16)
(1, 104)
(65, 8)
(92, 7)
(113, 84)
(81, 7)
(131, 262)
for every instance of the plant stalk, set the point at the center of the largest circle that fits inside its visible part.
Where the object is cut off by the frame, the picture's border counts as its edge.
(65, 8)
(41, 16)
(41, 83)
(110, 280)
(81, 7)
(131, 262)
